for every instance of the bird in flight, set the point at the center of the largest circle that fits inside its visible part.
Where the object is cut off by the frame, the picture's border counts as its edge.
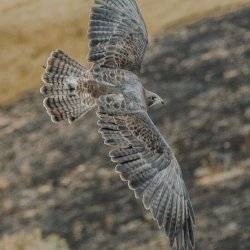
(118, 40)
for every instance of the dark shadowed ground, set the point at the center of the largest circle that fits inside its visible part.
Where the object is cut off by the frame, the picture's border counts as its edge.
(59, 178)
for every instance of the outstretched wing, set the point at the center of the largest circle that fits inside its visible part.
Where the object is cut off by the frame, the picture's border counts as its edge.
(147, 163)
(118, 36)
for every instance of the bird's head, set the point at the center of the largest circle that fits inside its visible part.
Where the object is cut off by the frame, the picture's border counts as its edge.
(153, 99)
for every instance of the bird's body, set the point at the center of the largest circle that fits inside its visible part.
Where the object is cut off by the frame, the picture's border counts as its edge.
(116, 81)
(118, 39)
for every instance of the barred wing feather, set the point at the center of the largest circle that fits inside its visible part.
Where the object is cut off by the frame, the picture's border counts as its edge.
(118, 36)
(147, 163)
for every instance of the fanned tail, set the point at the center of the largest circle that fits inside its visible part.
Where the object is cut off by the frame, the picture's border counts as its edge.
(60, 88)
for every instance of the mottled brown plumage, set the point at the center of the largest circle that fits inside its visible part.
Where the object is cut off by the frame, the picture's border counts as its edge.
(118, 39)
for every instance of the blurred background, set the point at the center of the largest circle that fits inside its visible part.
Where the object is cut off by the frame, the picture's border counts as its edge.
(58, 189)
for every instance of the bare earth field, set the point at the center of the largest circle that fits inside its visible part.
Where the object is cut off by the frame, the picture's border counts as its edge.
(57, 181)
(31, 29)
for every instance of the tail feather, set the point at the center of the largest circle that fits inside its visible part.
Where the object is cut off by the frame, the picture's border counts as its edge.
(62, 108)
(61, 64)
(61, 79)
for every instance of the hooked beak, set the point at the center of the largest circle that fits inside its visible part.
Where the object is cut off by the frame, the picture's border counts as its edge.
(159, 103)
(164, 102)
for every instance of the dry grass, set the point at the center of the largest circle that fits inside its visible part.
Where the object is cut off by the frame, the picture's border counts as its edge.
(31, 29)
(32, 240)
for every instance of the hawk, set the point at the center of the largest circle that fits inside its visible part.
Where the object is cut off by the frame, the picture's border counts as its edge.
(118, 40)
